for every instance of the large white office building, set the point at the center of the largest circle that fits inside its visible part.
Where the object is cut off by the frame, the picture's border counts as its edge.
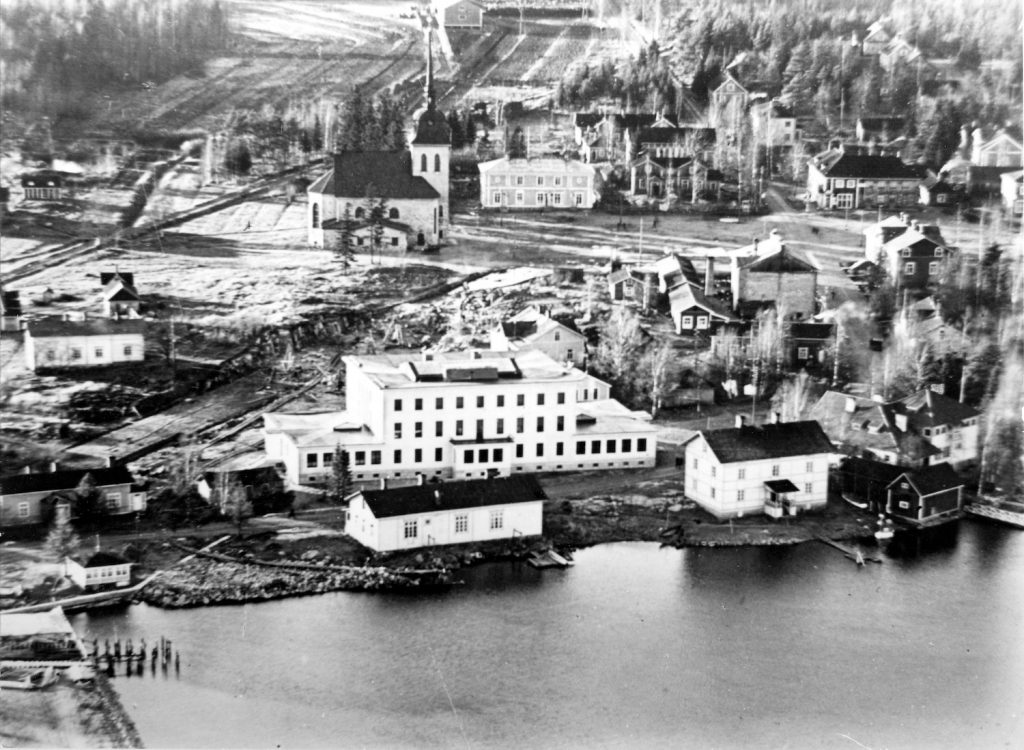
(463, 415)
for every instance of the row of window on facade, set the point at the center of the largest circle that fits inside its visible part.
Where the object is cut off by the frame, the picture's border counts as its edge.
(112, 499)
(741, 473)
(499, 401)
(610, 446)
(76, 353)
(360, 213)
(910, 268)
(742, 494)
(423, 162)
(499, 427)
(539, 199)
(496, 522)
(520, 180)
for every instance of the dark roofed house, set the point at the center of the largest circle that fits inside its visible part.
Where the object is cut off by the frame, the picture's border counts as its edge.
(102, 569)
(55, 342)
(807, 343)
(427, 515)
(865, 482)
(924, 497)
(779, 468)
(847, 177)
(10, 311)
(29, 498)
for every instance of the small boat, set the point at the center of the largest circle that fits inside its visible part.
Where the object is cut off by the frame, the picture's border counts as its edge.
(26, 678)
(885, 531)
(855, 503)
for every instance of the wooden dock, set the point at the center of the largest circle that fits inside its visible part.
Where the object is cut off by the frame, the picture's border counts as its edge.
(852, 553)
(1011, 517)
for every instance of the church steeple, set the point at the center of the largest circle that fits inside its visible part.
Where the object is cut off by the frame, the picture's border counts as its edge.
(428, 85)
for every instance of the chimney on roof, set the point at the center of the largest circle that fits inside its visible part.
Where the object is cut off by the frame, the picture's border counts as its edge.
(709, 277)
(901, 422)
(905, 218)
(383, 483)
(851, 405)
(776, 417)
(477, 355)
(52, 467)
(428, 357)
(437, 498)
(916, 226)
(26, 469)
(741, 421)
(419, 478)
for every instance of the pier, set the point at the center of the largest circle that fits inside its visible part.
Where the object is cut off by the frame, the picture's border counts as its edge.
(852, 553)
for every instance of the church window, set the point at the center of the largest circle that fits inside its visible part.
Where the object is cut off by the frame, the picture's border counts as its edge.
(440, 211)
(392, 213)
(316, 216)
(360, 212)
(423, 163)
(437, 162)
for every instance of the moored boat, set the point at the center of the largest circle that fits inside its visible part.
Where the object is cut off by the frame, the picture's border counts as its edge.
(26, 678)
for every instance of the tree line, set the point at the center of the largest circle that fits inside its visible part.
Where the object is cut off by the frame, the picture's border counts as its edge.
(57, 55)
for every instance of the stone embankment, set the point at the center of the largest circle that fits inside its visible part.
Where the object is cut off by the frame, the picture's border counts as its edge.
(212, 579)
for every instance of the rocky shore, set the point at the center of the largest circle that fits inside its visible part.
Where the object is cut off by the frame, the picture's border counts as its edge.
(204, 581)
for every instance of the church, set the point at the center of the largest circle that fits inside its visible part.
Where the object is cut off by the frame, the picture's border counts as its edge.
(413, 182)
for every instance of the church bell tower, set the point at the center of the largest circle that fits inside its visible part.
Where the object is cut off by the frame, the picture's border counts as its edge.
(431, 147)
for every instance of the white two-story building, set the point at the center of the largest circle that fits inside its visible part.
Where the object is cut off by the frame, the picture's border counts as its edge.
(537, 183)
(463, 415)
(779, 469)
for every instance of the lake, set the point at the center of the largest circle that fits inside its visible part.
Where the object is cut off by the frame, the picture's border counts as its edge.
(634, 646)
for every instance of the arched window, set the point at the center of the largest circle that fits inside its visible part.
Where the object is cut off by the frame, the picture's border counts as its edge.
(440, 212)
(316, 216)
(423, 163)
(392, 213)
(360, 212)
(437, 162)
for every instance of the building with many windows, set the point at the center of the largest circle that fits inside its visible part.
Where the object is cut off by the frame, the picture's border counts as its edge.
(55, 342)
(537, 183)
(426, 515)
(778, 469)
(463, 415)
(32, 498)
(847, 177)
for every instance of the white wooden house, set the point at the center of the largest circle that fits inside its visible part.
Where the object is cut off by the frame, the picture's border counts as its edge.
(531, 329)
(101, 569)
(779, 469)
(427, 515)
(55, 342)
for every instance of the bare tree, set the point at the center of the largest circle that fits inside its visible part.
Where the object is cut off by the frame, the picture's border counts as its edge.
(231, 500)
(660, 365)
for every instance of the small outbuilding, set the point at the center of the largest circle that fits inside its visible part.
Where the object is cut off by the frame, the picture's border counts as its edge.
(101, 569)
(927, 496)
(426, 515)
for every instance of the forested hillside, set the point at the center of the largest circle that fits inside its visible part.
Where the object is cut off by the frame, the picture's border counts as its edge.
(57, 55)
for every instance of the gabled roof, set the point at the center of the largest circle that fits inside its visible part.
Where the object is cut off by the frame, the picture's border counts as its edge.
(870, 424)
(385, 173)
(811, 331)
(781, 440)
(432, 129)
(55, 481)
(58, 327)
(685, 297)
(121, 293)
(701, 135)
(783, 260)
(102, 558)
(474, 493)
(887, 122)
(839, 163)
(914, 239)
(126, 276)
(929, 480)
(926, 408)
(518, 329)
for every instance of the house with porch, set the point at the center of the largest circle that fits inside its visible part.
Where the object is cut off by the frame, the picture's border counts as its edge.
(30, 498)
(780, 468)
(846, 177)
(694, 312)
(443, 513)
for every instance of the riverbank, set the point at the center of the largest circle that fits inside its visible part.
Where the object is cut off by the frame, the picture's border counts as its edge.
(67, 715)
(267, 566)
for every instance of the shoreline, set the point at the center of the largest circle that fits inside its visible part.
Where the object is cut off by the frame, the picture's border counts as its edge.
(211, 579)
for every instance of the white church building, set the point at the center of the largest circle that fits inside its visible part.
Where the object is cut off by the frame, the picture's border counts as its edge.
(413, 182)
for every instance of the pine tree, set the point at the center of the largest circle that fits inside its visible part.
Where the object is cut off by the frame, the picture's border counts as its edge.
(345, 253)
(340, 482)
(455, 125)
(62, 541)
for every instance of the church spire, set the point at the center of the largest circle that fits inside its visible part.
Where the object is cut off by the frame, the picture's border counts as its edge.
(428, 86)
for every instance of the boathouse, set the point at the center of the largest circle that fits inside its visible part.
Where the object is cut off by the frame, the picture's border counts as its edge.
(925, 497)
(427, 515)
(100, 569)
